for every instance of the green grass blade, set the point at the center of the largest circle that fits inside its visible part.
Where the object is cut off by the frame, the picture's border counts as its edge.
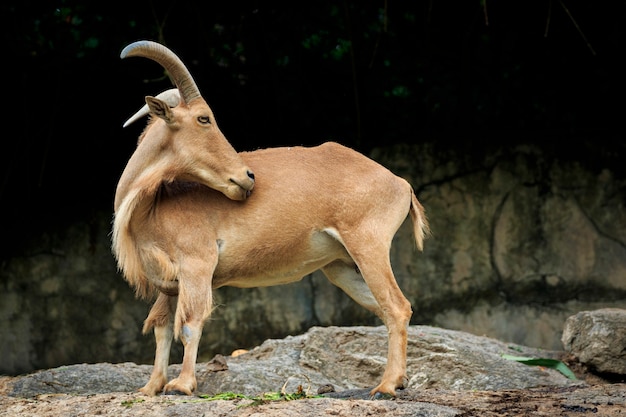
(545, 362)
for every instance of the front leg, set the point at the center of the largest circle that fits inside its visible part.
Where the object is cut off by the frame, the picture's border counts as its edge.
(194, 306)
(186, 382)
(161, 317)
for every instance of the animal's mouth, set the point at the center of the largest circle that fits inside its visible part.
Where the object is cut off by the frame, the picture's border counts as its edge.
(243, 191)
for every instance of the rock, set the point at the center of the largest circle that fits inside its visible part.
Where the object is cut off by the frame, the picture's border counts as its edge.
(451, 374)
(598, 339)
(347, 358)
(354, 358)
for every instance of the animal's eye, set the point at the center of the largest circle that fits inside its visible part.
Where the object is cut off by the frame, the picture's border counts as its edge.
(205, 120)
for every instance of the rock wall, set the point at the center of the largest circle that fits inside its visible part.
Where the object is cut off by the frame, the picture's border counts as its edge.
(522, 239)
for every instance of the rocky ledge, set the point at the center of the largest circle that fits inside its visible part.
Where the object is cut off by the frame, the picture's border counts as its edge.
(450, 373)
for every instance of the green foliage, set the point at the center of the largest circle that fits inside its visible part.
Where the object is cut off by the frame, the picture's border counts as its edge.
(264, 398)
(283, 395)
(130, 403)
(545, 362)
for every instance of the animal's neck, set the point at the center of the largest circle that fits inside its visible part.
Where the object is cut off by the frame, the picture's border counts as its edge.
(147, 169)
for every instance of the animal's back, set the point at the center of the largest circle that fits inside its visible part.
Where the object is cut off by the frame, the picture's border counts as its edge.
(323, 162)
(328, 171)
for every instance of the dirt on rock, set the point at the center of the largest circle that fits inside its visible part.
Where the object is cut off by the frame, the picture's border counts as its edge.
(597, 396)
(599, 400)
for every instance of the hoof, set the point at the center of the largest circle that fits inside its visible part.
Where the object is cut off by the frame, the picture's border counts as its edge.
(382, 396)
(175, 392)
(149, 391)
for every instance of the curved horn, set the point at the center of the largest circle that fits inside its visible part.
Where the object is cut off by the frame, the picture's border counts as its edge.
(171, 97)
(168, 60)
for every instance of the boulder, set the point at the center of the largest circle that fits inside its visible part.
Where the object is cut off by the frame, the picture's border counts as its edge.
(346, 358)
(598, 339)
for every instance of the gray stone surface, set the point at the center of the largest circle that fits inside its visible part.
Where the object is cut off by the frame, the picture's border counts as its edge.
(452, 374)
(348, 358)
(598, 339)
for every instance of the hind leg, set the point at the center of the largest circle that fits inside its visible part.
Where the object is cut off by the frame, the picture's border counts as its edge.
(375, 288)
(349, 279)
(161, 317)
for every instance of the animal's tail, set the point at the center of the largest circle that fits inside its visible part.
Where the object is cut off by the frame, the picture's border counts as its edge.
(420, 223)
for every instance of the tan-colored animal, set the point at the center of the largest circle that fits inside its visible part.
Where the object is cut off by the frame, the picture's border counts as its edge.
(193, 215)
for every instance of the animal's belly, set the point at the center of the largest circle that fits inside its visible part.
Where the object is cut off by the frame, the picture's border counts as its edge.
(275, 263)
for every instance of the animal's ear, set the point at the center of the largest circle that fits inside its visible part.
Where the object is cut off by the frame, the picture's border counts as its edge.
(160, 108)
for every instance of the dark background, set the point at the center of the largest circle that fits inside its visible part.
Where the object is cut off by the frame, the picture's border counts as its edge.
(464, 74)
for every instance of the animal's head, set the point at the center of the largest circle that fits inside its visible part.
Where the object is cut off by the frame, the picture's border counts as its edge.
(185, 124)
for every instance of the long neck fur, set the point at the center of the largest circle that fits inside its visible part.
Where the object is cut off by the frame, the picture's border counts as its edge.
(135, 198)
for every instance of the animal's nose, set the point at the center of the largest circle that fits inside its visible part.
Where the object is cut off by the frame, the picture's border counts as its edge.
(250, 175)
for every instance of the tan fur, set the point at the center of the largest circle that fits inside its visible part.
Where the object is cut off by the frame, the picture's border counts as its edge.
(420, 223)
(186, 223)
